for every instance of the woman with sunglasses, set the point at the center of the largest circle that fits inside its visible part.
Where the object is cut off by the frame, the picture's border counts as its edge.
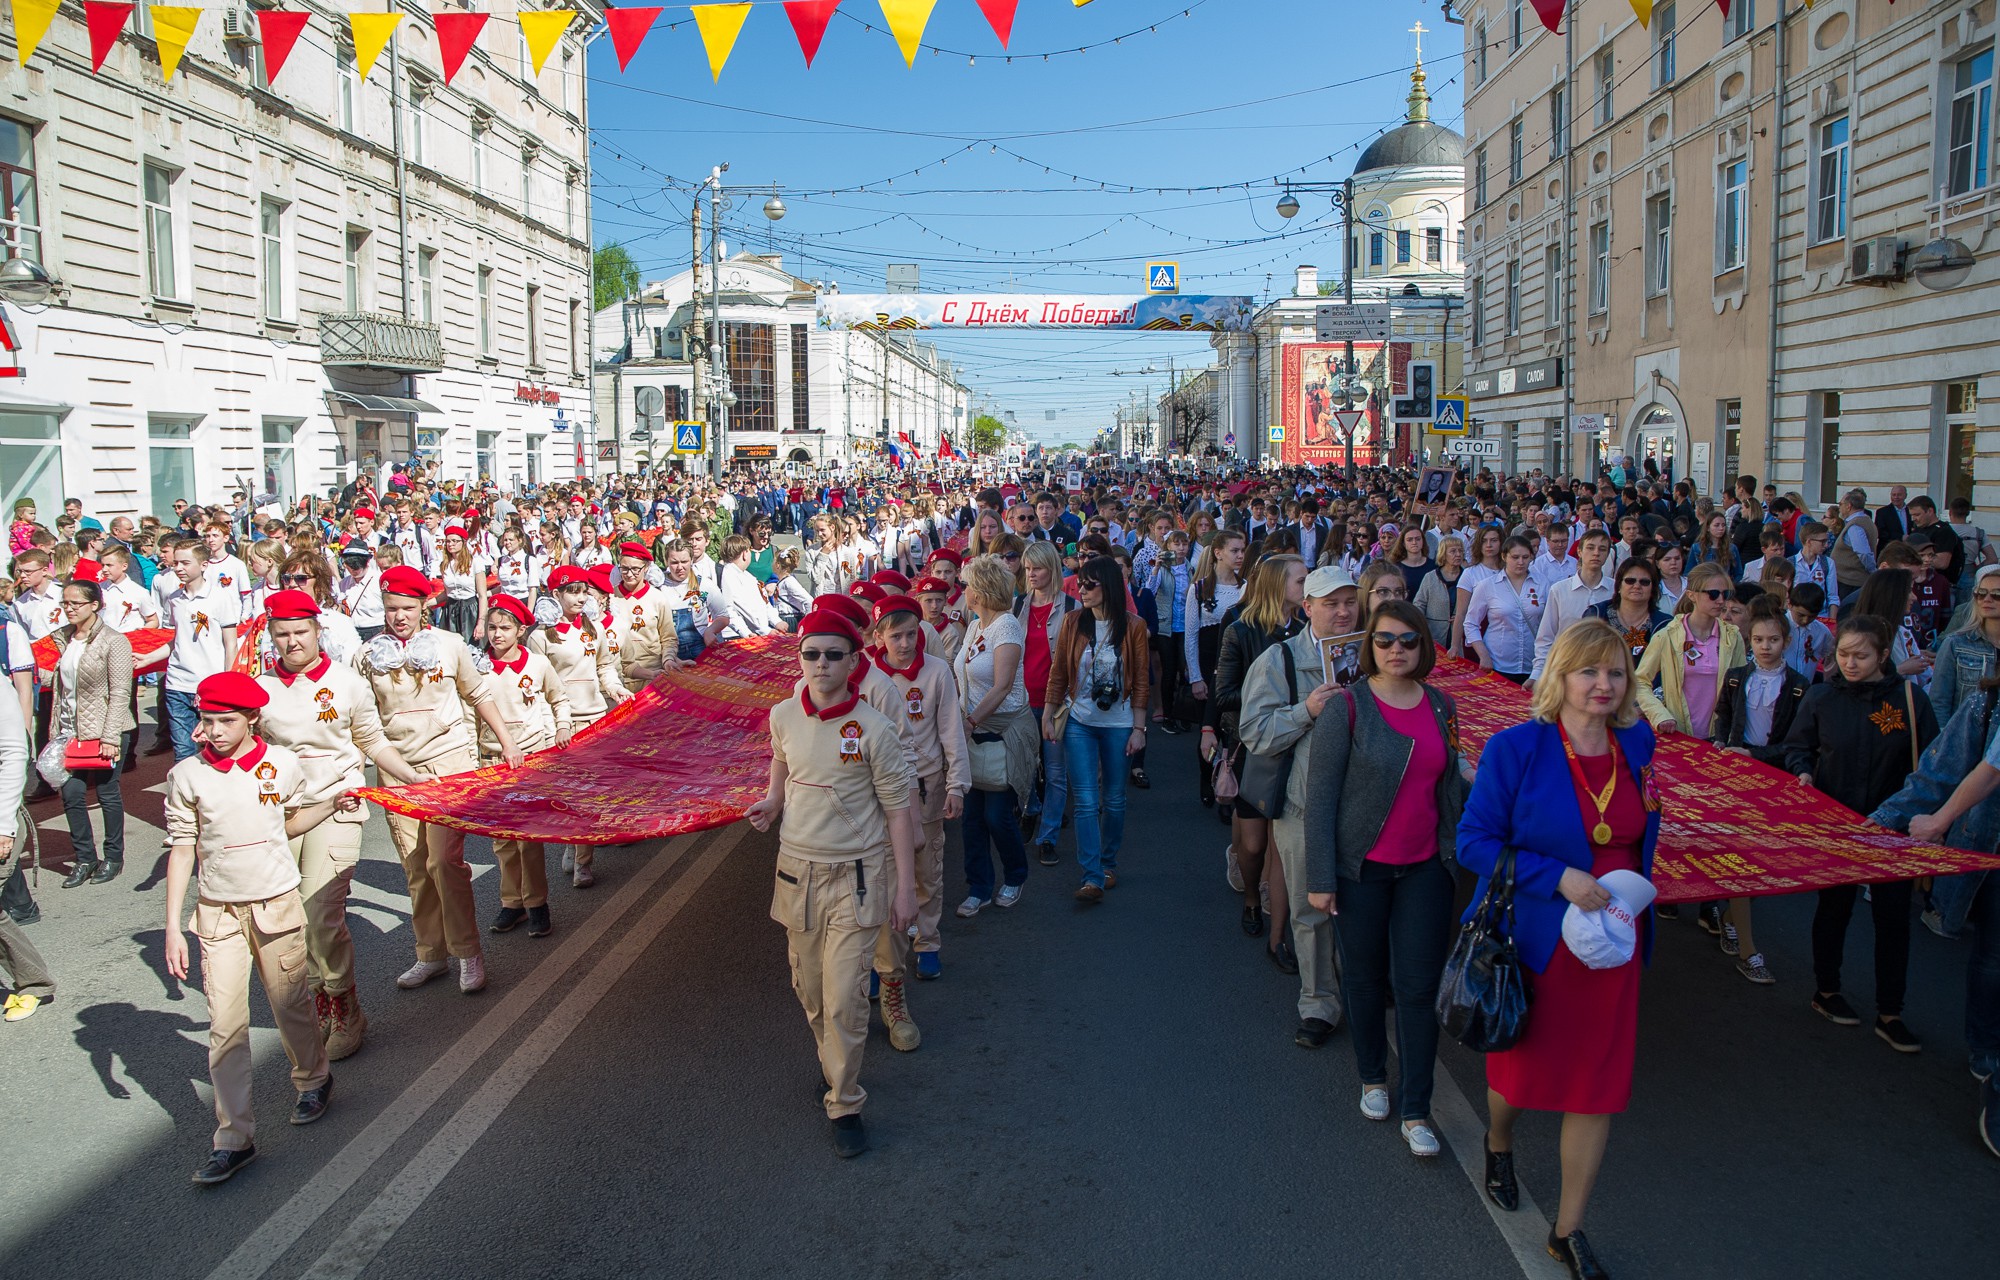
(93, 703)
(1686, 660)
(1632, 608)
(1384, 796)
(1964, 658)
(308, 571)
(988, 668)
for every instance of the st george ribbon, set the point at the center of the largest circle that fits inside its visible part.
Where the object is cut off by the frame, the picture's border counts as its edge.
(691, 751)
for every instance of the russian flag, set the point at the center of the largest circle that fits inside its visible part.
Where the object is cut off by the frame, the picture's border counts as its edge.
(896, 455)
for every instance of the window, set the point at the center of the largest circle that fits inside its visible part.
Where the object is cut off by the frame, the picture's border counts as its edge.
(801, 378)
(280, 437)
(534, 326)
(1402, 246)
(481, 128)
(271, 256)
(1434, 244)
(752, 376)
(1961, 432)
(1740, 21)
(486, 458)
(1600, 268)
(575, 347)
(419, 113)
(1659, 245)
(1663, 44)
(1479, 178)
(1607, 74)
(1479, 53)
(569, 202)
(1376, 250)
(349, 75)
(486, 311)
(1732, 215)
(1517, 147)
(354, 269)
(20, 211)
(1476, 307)
(170, 460)
(1461, 244)
(528, 184)
(1553, 286)
(1729, 417)
(162, 248)
(1830, 181)
(1558, 120)
(427, 283)
(1513, 298)
(1970, 143)
(535, 446)
(31, 461)
(1514, 25)
(1826, 417)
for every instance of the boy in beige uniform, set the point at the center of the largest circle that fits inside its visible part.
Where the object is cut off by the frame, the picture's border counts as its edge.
(325, 714)
(231, 810)
(842, 784)
(535, 708)
(423, 678)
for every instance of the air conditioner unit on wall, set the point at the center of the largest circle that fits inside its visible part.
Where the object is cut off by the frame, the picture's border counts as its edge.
(1876, 261)
(239, 26)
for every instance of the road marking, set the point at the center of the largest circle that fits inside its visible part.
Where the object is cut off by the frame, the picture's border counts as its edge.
(372, 1228)
(1526, 1229)
(278, 1233)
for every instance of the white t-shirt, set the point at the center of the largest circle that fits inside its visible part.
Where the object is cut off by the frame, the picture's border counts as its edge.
(128, 607)
(198, 619)
(361, 598)
(464, 586)
(973, 664)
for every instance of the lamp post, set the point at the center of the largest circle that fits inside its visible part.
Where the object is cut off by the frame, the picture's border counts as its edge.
(720, 397)
(1343, 196)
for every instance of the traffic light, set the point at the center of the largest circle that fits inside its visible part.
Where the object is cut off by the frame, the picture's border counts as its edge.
(1421, 404)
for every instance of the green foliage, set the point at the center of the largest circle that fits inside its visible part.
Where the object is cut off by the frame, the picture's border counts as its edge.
(614, 276)
(988, 434)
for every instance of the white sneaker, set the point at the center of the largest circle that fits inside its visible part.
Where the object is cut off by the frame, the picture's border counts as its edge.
(580, 878)
(1009, 895)
(1375, 1102)
(1423, 1141)
(569, 858)
(472, 974)
(971, 906)
(1233, 872)
(419, 973)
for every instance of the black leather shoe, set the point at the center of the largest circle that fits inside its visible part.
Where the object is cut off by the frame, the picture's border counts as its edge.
(32, 914)
(80, 875)
(1573, 1251)
(1284, 957)
(222, 1166)
(312, 1103)
(1253, 922)
(538, 922)
(1501, 1188)
(508, 918)
(850, 1137)
(107, 872)
(1312, 1033)
(1046, 850)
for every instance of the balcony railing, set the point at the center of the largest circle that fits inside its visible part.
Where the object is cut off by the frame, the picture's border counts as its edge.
(373, 340)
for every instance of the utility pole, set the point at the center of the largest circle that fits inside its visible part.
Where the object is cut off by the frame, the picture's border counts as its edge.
(688, 345)
(720, 427)
(1347, 296)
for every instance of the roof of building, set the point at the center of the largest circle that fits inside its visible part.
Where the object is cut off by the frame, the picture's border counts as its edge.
(1417, 141)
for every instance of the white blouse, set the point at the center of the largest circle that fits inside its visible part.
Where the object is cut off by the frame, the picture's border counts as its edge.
(1505, 618)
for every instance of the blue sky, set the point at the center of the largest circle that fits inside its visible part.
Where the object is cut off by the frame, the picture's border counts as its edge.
(987, 174)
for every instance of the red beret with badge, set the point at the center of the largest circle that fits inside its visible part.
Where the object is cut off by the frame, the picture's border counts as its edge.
(825, 622)
(289, 606)
(513, 608)
(406, 581)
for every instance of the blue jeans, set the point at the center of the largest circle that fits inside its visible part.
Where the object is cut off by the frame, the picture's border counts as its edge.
(1100, 800)
(181, 721)
(1982, 970)
(1055, 786)
(989, 821)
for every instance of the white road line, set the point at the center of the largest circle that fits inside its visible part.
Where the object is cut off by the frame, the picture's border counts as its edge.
(1525, 1230)
(278, 1233)
(372, 1228)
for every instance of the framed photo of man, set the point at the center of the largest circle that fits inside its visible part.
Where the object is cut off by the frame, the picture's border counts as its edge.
(1434, 486)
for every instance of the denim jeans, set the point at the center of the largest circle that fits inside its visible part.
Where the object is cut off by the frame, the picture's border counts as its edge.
(181, 721)
(1096, 757)
(989, 821)
(76, 807)
(1396, 926)
(1055, 786)
(1982, 970)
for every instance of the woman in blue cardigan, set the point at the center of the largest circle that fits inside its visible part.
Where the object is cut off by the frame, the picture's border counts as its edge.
(1571, 793)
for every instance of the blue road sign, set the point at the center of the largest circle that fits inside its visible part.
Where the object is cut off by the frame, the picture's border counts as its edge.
(1450, 419)
(1163, 277)
(688, 437)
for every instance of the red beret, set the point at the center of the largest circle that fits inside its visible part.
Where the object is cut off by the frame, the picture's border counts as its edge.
(869, 591)
(847, 607)
(364, 513)
(286, 606)
(86, 571)
(454, 531)
(634, 549)
(599, 576)
(405, 581)
(564, 574)
(927, 585)
(825, 622)
(508, 604)
(947, 555)
(896, 604)
(230, 691)
(891, 579)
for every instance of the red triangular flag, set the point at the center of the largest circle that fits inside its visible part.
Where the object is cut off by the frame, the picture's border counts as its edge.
(279, 31)
(1001, 14)
(107, 23)
(1724, 6)
(809, 19)
(1551, 12)
(629, 28)
(456, 32)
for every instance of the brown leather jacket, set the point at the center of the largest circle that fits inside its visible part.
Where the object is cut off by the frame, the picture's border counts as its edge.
(1136, 660)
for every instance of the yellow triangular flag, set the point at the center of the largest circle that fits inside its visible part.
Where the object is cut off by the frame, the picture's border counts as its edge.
(371, 35)
(173, 27)
(719, 25)
(907, 20)
(31, 23)
(541, 28)
(1643, 8)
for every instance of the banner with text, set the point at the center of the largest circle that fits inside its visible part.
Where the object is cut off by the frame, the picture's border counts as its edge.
(1178, 313)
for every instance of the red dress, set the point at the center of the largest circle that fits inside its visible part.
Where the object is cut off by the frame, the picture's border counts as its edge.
(1583, 1024)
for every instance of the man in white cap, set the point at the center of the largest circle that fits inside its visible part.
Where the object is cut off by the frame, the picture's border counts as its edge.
(1609, 936)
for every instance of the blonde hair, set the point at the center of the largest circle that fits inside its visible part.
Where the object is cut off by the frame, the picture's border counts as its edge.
(1043, 555)
(989, 581)
(1696, 576)
(1264, 603)
(1590, 643)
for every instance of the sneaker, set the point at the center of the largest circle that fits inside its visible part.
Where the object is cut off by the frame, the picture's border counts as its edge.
(222, 1165)
(1088, 892)
(903, 1033)
(1731, 944)
(1897, 1035)
(850, 1137)
(419, 973)
(1753, 969)
(1312, 1033)
(581, 878)
(1009, 895)
(972, 906)
(507, 918)
(472, 974)
(1671, 911)
(1046, 851)
(1374, 1102)
(1835, 1009)
(312, 1103)
(538, 922)
(929, 966)
(1710, 919)
(1230, 871)
(1935, 923)
(569, 859)
(1172, 728)
(1422, 1138)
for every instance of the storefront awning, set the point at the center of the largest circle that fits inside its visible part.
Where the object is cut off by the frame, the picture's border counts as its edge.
(380, 404)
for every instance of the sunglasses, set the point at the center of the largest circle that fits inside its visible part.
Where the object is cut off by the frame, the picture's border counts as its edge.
(1986, 595)
(823, 655)
(1635, 582)
(1010, 556)
(1406, 640)
(1714, 593)
(295, 577)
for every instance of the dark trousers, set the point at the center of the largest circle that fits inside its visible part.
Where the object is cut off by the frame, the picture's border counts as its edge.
(1395, 931)
(989, 822)
(76, 808)
(15, 899)
(1173, 671)
(1982, 970)
(1890, 903)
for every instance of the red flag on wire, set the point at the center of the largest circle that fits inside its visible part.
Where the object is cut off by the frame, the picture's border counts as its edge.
(1551, 12)
(1000, 13)
(629, 29)
(278, 30)
(809, 19)
(456, 32)
(107, 23)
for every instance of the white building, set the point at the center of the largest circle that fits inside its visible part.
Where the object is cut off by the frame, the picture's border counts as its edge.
(280, 287)
(803, 394)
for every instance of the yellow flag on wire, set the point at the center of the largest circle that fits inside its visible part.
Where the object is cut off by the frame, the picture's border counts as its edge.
(371, 35)
(719, 25)
(541, 28)
(1643, 8)
(907, 20)
(173, 28)
(31, 23)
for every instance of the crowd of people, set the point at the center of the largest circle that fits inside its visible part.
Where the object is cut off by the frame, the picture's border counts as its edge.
(985, 649)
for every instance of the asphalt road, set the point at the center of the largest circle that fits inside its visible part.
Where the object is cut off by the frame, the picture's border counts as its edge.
(1105, 1092)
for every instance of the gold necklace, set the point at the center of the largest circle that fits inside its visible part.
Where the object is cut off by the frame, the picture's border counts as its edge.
(1601, 833)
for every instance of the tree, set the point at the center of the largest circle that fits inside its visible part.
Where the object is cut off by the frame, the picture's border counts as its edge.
(614, 276)
(988, 434)
(1190, 417)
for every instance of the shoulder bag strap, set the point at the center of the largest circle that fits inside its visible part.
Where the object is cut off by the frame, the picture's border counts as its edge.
(1910, 701)
(1291, 671)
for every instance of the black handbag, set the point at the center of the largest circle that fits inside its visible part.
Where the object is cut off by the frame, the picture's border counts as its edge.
(1483, 998)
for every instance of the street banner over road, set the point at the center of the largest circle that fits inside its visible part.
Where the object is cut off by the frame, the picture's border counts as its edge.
(1205, 313)
(692, 751)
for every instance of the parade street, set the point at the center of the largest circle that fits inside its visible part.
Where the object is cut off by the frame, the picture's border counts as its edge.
(1107, 1091)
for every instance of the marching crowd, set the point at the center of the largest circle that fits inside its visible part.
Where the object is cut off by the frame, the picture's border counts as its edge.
(985, 649)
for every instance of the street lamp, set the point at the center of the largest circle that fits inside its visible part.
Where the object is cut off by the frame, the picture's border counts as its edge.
(774, 209)
(1343, 197)
(1942, 264)
(26, 283)
(722, 398)
(1288, 206)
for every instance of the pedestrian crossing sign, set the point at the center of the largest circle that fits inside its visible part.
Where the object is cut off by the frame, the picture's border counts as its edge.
(1276, 434)
(1450, 419)
(1163, 277)
(688, 438)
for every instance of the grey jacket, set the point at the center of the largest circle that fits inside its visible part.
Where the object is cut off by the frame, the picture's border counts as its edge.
(1270, 723)
(1355, 775)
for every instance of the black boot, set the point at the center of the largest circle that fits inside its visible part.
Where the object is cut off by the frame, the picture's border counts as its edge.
(80, 875)
(15, 899)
